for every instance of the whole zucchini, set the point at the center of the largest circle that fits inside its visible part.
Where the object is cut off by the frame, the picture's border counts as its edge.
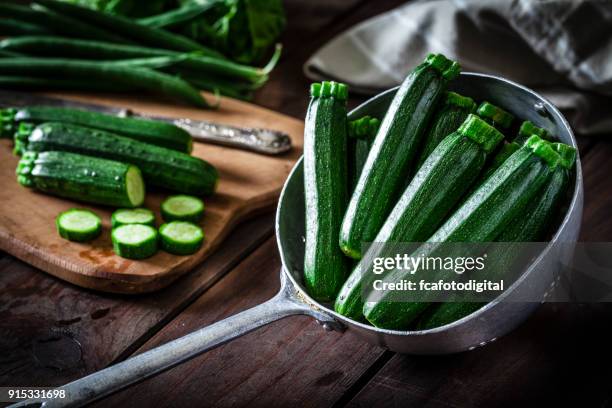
(361, 132)
(503, 197)
(389, 161)
(160, 167)
(150, 131)
(82, 178)
(503, 153)
(438, 185)
(528, 129)
(529, 227)
(495, 115)
(325, 187)
(454, 110)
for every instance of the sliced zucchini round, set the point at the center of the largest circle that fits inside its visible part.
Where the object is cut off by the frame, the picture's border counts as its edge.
(135, 186)
(134, 241)
(126, 216)
(182, 208)
(78, 225)
(181, 237)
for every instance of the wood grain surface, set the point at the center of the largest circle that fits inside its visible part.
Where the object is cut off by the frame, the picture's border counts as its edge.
(559, 357)
(249, 183)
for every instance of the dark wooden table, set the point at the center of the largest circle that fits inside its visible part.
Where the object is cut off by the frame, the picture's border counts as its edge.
(52, 332)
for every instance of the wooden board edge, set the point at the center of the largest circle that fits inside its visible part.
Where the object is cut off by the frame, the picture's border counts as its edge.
(113, 282)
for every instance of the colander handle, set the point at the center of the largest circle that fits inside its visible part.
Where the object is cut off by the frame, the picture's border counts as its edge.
(112, 379)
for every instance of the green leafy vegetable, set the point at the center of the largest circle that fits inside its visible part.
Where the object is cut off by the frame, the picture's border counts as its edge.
(244, 30)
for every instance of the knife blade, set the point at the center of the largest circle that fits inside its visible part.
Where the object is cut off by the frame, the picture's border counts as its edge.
(260, 140)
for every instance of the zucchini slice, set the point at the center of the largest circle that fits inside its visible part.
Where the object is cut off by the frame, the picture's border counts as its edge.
(126, 216)
(134, 241)
(181, 237)
(182, 208)
(78, 225)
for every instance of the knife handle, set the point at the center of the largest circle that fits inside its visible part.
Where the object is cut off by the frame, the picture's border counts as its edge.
(260, 140)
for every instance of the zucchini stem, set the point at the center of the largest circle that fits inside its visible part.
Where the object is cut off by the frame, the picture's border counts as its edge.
(481, 132)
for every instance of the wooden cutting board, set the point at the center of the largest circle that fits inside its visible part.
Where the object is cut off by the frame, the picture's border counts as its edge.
(249, 183)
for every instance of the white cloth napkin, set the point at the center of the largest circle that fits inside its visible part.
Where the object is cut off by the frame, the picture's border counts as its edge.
(561, 48)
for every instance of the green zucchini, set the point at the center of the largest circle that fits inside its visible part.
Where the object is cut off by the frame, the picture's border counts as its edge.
(78, 225)
(181, 237)
(182, 208)
(528, 129)
(326, 188)
(485, 214)
(389, 161)
(361, 132)
(495, 115)
(160, 167)
(134, 241)
(88, 179)
(506, 150)
(454, 110)
(529, 227)
(126, 216)
(149, 131)
(567, 153)
(439, 184)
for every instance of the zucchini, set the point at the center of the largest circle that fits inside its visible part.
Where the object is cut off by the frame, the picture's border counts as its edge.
(181, 237)
(87, 179)
(78, 225)
(134, 241)
(506, 150)
(495, 115)
(567, 153)
(182, 208)
(454, 110)
(149, 131)
(485, 214)
(325, 188)
(525, 228)
(160, 167)
(527, 129)
(126, 216)
(389, 161)
(361, 132)
(439, 184)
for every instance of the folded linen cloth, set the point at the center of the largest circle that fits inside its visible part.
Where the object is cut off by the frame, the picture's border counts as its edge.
(560, 48)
